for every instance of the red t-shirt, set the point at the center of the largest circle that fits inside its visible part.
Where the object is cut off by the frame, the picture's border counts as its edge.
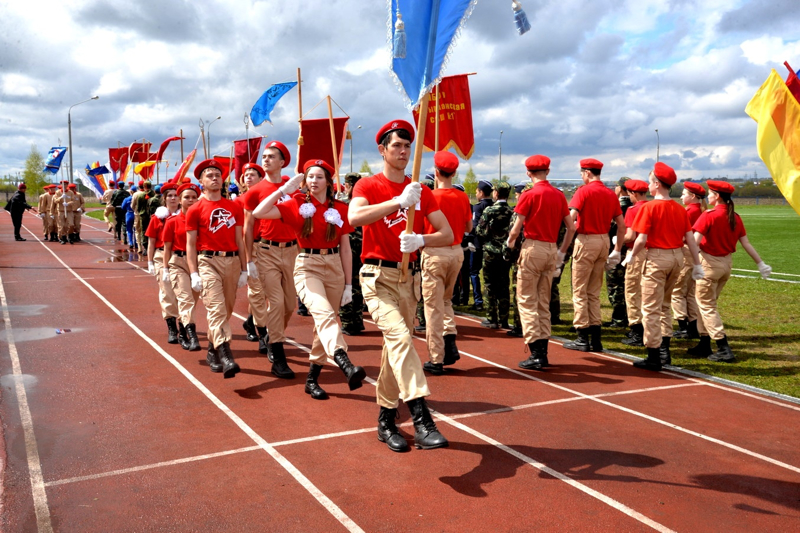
(271, 230)
(155, 230)
(664, 222)
(290, 214)
(175, 232)
(215, 224)
(694, 211)
(630, 214)
(256, 221)
(382, 238)
(718, 238)
(544, 208)
(457, 210)
(597, 206)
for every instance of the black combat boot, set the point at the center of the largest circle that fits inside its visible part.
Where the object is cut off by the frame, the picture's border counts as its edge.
(534, 361)
(691, 330)
(191, 335)
(581, 343)
(212, 358)
(703, 348)
(229, 367)
(724, 354)
(312, 387)
(491, 324)
(663, 350)
(451, 354)
(250, 328)
(543, 346)
(681, 332)
(516, 331)
(182, 338)
(354, 374)
(596, 332)
(619, 317)
(63, 239)
(54, 237)
(172, 330)
(653, 361)
(77, 237)
(437, 369)
(263, 340)
(279, 366)
(72, 238)
(426, 436)
(635, 336)
(387, 430)
(555, 312)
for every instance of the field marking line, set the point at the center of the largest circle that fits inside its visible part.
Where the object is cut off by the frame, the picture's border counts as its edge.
(42, 510)
(768, 279)
(326, 502)
(773, 274)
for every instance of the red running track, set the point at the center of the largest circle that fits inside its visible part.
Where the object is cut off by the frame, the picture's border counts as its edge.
(109, 428)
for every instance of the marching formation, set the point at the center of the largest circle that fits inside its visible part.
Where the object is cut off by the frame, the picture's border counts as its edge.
(291, 239)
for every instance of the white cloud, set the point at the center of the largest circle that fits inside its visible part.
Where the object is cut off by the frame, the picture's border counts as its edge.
(18, 85)
(769, 50)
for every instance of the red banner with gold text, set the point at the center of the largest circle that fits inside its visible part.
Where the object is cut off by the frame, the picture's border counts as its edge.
(455, 117)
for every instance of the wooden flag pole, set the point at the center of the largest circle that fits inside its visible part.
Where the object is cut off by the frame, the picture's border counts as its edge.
(420, 137)
(333, 145)
(181, 144)
(436, 136)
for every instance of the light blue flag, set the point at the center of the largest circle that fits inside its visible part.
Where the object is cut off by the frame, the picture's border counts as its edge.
(431, 27)
(266, 103)
(54, 157)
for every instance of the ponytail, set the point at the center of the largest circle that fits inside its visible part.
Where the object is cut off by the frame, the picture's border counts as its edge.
(330, 231)
(308, 224)
(726, 197)
(703, 203)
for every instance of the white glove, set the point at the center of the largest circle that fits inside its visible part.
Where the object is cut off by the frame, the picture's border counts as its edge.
(165, 275)
(41, 215)
(410, 195)
(347, 295)
(79, 210)
(557, 271)
(292, 184)
(765, 269)
(411, 242)
(613, 260)
(698, 273)
(560, 257)
(252, 271)
(614, 240)
(627, 260)
(510, 244)
(471, 247)
(242, 279)
(151, 268)
(197, 282)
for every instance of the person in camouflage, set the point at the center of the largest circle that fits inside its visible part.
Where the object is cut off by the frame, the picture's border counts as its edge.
(615, 278)
(352, 314)
(492, 232)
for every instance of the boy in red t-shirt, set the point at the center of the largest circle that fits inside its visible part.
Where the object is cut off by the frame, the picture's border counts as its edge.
(156, 265)
(215, 253)
(380, 204)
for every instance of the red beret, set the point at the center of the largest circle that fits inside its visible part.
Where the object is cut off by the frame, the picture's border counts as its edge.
(318, 163)
(720, 186)
(394, 125)
(445, 161)
(257, 168)
(141, 183)
(694, 188)
(64, 181)
(72, 186)
(22, 186)
(168, 186)
(592, 164)
(283, 150)
(208, 163)
(187, 186)
(537, 162)
(665, 174)
(130, 183)
(636, 185)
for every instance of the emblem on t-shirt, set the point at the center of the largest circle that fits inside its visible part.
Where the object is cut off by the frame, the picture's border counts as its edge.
(400, 216)
(219, 219)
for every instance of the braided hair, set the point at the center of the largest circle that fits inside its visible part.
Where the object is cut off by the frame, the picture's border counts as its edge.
(726, 197)
(308, 225)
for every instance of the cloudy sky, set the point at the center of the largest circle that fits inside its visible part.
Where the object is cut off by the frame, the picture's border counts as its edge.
(591, 79)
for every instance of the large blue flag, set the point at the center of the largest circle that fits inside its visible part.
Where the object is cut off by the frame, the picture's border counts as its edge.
(431, 27)
(266, 103)
(54, 157)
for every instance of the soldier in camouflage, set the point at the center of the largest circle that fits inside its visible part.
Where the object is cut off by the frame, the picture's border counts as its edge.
(615, 278)
(352, 315)
(492, 233)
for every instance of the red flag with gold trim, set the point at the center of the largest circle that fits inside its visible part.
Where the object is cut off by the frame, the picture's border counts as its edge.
(455, 117)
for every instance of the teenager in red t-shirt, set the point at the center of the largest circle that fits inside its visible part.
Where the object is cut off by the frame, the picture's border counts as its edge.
(155, 262)
(380, 204)
(684, 304)
(717, 231)
(177, 273)
(637, 190)
(663, 227)
(323, 268)
(441, 265)
(275, 255)
(215, 252)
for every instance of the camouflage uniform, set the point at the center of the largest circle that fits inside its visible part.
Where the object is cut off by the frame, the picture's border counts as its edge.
(352, 314)
(492, 231)
(615, 278)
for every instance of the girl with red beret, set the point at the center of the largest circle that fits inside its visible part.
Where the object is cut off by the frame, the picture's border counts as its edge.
(717, 231)
(684, 304)
(156, 264)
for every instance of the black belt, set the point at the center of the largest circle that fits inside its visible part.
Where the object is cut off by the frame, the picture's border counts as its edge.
(319, 251)
(257, 239)
(209, 253)
(162, 248)
(266, 244)
(179, 253)
(382, 263)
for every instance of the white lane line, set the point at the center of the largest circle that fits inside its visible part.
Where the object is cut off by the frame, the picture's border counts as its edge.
(774, 273)
(326, 502)
(31, 449)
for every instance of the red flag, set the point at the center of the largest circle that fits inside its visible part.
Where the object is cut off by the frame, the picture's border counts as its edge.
(164, 145)
(245, 151)
(225, 162)
(118, 159)
(316, 135)
(792, 82)
(185, 166)
(455, 117)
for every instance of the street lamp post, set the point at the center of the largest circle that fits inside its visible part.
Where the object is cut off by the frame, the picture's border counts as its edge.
(208, 134)
(658, 146)
(500, 153)
(69, 128)
(351, 148)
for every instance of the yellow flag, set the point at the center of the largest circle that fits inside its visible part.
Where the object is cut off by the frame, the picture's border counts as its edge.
(139, 167)
(778, 139)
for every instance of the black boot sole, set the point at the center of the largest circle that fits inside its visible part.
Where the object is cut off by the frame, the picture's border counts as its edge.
(397, 450)
(355, 381)
(645, 366)
(282, 374)
(231, 371)
(321, 395)
(419, 446)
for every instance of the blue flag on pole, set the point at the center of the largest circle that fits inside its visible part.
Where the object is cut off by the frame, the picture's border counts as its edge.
(54, 157)
(431, 28)
(266, 103)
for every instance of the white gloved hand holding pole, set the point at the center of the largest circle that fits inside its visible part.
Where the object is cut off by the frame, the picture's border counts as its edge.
(410, 195)
(411, 242)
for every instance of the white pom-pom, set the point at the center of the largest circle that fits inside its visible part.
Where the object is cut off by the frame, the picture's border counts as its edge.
(332, 216)
(162, 212)
(307, 210)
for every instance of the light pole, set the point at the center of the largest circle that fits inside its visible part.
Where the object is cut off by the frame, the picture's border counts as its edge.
(69, 127)
(350, 133)
(208, 134)
(658, 145)
(500, 152)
